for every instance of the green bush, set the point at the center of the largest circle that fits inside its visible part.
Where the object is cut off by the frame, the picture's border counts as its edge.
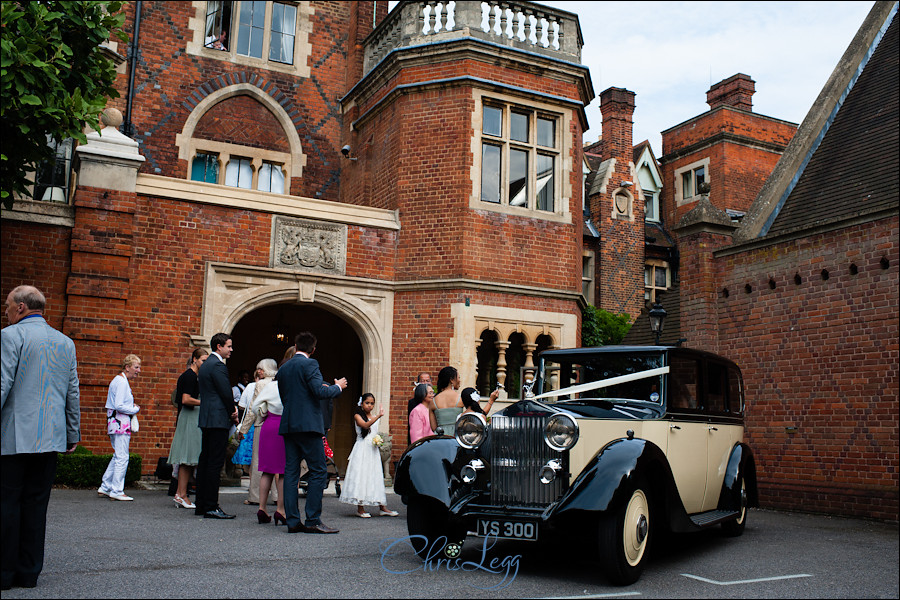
(84, 469)
(600, 327)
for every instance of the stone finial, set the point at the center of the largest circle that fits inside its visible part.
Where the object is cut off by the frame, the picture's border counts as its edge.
(111, 117)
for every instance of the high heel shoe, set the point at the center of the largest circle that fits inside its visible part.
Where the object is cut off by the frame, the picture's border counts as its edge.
(279, 517)
(262, 517)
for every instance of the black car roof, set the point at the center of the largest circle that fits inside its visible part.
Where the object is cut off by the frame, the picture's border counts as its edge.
(558, 353)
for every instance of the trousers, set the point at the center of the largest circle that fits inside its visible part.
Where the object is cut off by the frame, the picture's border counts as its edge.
(209, 468)
(298, 446)
(25, 483)
(114, 477)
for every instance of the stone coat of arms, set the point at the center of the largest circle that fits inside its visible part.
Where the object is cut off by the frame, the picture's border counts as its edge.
(304, 245)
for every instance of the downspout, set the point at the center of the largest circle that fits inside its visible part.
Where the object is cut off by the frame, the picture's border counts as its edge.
(128, 127)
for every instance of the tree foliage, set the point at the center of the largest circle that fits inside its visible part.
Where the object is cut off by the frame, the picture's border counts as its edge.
(54, 79)
(600, 327)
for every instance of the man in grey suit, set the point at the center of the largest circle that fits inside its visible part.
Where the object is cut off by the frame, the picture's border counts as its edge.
(217, 413)
(302, 391)
(39, 416)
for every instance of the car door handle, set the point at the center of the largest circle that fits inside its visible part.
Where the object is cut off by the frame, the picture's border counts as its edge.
(674, 427)
(711, 428)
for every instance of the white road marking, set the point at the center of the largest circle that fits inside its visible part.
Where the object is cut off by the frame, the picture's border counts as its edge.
(761, 579)
(619, 595)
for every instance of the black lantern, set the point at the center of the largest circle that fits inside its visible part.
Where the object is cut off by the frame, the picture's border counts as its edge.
(657, 315)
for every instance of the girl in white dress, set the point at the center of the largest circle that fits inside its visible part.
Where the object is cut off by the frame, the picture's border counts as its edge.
(364, 482)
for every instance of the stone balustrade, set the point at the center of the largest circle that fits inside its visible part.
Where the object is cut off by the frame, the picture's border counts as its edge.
(527, 26)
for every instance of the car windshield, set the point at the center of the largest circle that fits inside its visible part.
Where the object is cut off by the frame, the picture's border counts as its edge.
(558, 373)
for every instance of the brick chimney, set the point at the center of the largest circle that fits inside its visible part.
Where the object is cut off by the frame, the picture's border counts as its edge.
(617, 108)
(736, 91)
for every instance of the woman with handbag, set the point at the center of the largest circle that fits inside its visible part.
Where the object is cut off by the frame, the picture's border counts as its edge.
(120, 423)
(248, 430)
(268, 408)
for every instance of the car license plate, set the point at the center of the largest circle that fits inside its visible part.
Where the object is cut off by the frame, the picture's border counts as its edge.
(507, 529)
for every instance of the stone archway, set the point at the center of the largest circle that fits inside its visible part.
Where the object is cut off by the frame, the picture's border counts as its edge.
(269, 330)
(234, 292)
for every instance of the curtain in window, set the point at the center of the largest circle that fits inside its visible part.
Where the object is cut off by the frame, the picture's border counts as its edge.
(239, 173)
(271, 179)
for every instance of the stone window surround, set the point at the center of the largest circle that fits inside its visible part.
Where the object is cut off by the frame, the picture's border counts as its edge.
(224, 151)
(680, 200)
(588, 259)
(292, 163)
(469, 322)
(563, 191)
(302, 45)
(652, 289)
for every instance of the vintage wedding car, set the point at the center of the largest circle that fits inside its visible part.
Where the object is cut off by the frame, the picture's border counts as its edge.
(618, 443)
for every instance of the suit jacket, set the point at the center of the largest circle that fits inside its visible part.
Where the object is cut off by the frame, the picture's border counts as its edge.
(302, 391)
(216, 399)
(39, 403)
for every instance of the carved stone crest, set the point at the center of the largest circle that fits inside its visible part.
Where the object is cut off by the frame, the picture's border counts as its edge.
(304, 245)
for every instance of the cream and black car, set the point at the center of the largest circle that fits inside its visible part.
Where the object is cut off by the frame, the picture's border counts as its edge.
(617, 443)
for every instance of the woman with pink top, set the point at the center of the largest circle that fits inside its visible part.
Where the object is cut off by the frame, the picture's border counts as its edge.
(421, 417)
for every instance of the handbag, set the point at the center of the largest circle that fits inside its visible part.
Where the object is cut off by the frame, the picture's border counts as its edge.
(134, 424)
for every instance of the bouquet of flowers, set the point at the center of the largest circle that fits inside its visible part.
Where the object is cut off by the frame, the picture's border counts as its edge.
(377, 440)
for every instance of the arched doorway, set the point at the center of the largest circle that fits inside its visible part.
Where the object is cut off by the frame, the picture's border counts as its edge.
(268, 331)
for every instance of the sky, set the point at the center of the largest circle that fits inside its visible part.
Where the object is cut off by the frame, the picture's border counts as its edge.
(670, 53)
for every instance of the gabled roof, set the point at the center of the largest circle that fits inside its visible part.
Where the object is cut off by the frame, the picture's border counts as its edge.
(843, 161)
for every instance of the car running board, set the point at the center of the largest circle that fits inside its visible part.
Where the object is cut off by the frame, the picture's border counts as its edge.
(713, 517)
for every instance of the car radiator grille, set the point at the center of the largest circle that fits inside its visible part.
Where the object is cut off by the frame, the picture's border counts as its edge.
(518, 452)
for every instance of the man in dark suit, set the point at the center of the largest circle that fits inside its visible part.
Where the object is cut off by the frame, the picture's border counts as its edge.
(217, 413)
(302, 391)
(40, 416)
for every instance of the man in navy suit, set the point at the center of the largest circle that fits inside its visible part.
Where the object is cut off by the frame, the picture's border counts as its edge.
(217, 413)
(302, 391)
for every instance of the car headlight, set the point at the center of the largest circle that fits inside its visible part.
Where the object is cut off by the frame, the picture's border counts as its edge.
(561, 432)
(470, 430)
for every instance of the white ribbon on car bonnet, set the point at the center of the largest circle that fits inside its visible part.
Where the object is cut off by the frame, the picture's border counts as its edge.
(596, 385)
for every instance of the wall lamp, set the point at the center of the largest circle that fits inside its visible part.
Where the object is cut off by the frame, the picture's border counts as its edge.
(346, 152)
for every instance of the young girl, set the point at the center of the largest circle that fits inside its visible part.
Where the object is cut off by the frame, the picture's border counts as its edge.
(364, 482)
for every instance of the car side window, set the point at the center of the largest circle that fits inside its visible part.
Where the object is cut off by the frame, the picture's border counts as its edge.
(716, 388)
(683, 383)
(735, 391)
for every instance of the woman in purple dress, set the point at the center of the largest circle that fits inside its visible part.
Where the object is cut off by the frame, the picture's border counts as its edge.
(267, 406)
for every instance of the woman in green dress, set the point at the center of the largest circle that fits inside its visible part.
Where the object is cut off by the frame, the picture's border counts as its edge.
(447, 404)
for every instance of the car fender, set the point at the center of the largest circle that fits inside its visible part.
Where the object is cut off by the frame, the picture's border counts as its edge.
(426, 469)
(741, 465)
(606, 482)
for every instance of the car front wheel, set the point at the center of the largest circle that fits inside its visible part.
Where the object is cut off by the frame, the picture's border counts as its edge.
(428, 522)
(624, 539)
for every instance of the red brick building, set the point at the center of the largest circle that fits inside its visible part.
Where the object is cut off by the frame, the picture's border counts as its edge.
(448, 231)
(803, 292)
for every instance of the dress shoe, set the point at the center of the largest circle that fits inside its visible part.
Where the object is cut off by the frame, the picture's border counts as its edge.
(199, 511)
(301, 528)
(280, 517)
(217, 514)
(262, 517)
(320, 528)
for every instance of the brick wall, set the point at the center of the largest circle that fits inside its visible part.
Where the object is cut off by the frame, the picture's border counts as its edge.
(38, 255)
(737, 168)
(813, 324)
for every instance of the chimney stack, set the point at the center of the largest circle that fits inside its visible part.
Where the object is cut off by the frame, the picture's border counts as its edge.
(736, 91)
(617, 108)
